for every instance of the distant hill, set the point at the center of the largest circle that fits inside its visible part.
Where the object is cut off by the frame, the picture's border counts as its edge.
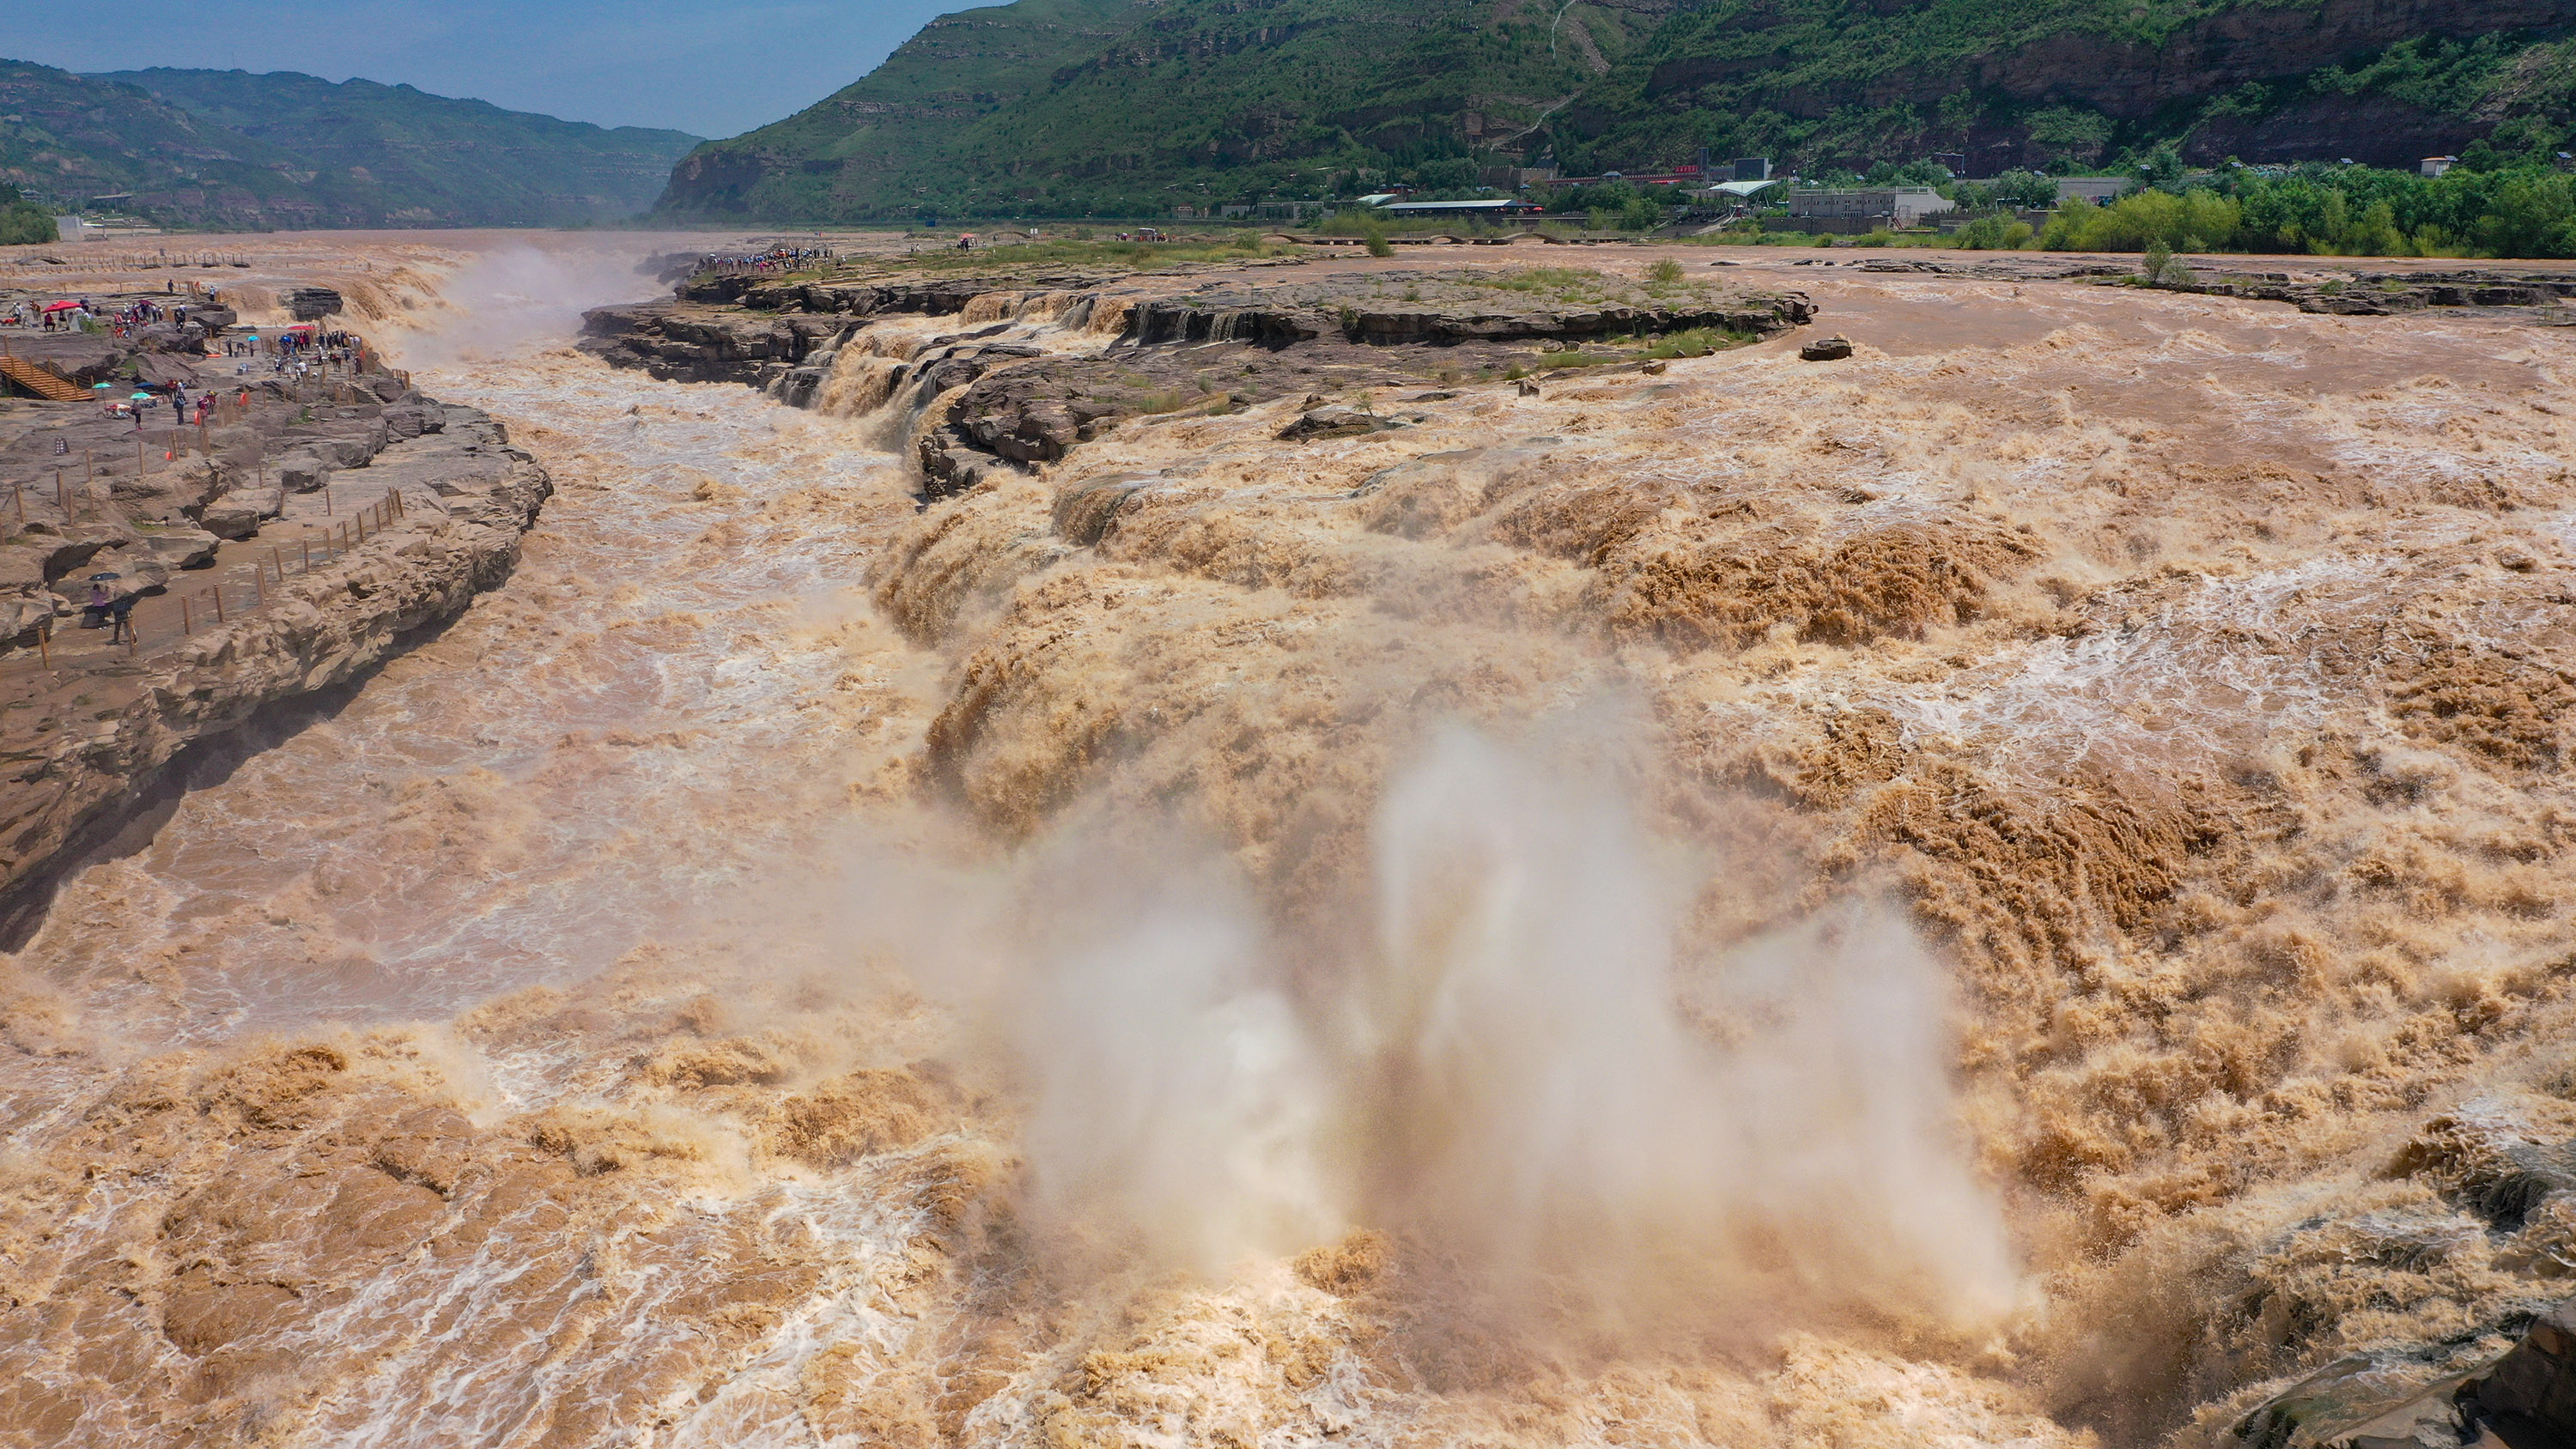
(66, 137)
(1129, 107)
(882, 146)
(432, 160)
(230, 150)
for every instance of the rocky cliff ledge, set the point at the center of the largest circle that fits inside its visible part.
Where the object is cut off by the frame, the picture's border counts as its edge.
(1211, 340)
(94, 733)
(2525, 1399)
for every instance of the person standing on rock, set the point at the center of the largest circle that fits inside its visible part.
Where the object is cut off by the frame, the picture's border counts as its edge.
(120, 612)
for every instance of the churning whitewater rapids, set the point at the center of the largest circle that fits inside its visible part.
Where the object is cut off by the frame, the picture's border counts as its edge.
(1764, 906)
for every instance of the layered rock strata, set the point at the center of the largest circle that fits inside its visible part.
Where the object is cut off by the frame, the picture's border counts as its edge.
(1174, 346)
(2525, 1399)
(2528, 295)
(83, 747)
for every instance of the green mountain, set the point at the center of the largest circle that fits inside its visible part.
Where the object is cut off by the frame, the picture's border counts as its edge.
(424, 160)
(1130, 107)
(232, 151)
(870, 149)
(65, 138)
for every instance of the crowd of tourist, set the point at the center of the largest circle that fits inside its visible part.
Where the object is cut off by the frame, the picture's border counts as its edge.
(78, 314)
(776, 259)
(296, 351)
(70, 315)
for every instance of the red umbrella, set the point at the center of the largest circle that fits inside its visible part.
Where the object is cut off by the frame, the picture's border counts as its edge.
(62, 306)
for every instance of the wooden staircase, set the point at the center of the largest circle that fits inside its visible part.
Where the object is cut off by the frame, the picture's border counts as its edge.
(41, 382)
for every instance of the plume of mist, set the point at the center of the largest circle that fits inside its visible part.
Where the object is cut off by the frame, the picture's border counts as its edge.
(515, 297)
(1177, 1091)
(1507, 1080)
(1544, 1108)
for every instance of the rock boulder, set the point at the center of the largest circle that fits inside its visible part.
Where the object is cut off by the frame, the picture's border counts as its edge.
(301, 472)
(1331, 421)
(239, 512)
(181, 548)
(2531, 1395)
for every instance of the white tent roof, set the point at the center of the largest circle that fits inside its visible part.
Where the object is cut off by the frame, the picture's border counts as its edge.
(1747, 188)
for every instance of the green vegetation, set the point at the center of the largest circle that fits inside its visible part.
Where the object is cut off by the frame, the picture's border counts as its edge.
(1360, 221)
(1755, 236)
(231, 150)
(22, 222)
(2521, 208)
(1696, 342)
(1110, 108)
(2198, 221)
(404, 152)
(2027, 190)
(1993, 233)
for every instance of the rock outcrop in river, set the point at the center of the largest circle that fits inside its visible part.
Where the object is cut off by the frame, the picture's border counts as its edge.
(1228, 338)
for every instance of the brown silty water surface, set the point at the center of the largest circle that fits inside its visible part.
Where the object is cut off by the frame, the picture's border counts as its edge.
(1996, 891)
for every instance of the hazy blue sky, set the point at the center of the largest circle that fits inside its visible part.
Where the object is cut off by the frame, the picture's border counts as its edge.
(716, 68)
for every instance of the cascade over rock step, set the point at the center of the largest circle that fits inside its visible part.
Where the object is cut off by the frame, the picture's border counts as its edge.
(2525, 1400)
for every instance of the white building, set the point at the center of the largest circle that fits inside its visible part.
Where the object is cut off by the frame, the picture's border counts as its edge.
(2095, 189)
(1898, 206)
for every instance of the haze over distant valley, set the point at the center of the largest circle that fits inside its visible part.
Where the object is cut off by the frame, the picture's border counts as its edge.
(229, 150)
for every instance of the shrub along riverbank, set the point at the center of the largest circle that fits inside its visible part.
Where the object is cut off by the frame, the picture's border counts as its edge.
(2517, 211)
(2511, 210)
(2488, 208)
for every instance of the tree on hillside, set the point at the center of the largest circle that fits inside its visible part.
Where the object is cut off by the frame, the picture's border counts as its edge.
(22, 222)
